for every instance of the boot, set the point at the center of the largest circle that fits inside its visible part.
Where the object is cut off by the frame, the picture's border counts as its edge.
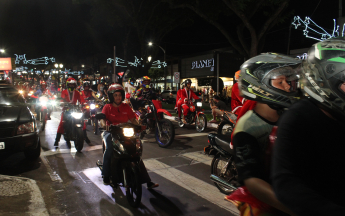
(86, 138)
(57, 139)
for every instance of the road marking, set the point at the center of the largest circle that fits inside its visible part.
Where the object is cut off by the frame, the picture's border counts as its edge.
(68, 151)
(188, 182)
(53, 175)
(199, 157)
(94, 174)
(36, 204)
(192, 135)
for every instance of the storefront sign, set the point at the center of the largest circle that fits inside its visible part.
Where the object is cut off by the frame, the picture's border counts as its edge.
(203, 63)
(5, 64)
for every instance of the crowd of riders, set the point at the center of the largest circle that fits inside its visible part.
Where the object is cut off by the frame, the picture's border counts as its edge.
(300, 173)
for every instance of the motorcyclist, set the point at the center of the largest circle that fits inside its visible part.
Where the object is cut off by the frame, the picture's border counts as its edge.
(117, 112)
(271, 80)
(69, 95)
(43, 90)
(130, 88)
(143, 93)
(183, 98)
(237, 100)
(310, 138)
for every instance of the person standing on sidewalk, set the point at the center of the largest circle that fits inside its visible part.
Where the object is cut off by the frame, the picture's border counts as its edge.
(218, 108)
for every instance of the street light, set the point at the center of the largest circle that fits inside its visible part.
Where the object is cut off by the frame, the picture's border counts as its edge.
(57, 66)
(165, 75)
(149, 58)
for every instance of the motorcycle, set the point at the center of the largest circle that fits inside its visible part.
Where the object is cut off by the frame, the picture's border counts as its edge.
(223, 171)
(152, 117)
(127, 147)
(227, 125)
(196, 115)
(90, 113)
(73, 125)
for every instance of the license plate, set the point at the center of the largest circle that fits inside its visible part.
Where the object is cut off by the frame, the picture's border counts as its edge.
(2, 145)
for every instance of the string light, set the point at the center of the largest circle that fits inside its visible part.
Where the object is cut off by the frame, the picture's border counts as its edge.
(320, 33)
(38, 61)
(137, 62)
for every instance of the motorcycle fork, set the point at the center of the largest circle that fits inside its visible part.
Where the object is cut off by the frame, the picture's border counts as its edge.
(124, 178)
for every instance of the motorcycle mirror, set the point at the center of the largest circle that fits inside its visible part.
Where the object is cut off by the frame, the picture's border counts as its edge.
(100, 116)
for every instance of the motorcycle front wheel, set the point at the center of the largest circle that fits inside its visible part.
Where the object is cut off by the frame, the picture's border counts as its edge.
(225, 128)
(200, 123)
(79, 142)
(134, 189)
(168, 133)
(219, 168)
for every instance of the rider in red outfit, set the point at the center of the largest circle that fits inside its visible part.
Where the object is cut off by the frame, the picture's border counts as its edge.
(183, 97)
(69, 95)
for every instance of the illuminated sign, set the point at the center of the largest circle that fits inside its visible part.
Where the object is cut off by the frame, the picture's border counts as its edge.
(314, 31)
(208, 63)
(5, 64)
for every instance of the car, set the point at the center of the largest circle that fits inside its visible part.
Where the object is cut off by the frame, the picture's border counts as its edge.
(18, 126)
(169, 94)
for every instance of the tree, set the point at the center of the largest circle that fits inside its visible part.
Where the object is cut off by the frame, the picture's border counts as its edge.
(156, 74)
(251, 17)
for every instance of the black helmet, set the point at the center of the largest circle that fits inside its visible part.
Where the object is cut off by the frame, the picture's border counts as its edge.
(86, 82)
(187, 81)
(261, 75)
(324, 74)
(115, 88)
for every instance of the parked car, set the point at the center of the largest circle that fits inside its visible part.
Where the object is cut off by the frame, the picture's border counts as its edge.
(169, 94)
(18, 127)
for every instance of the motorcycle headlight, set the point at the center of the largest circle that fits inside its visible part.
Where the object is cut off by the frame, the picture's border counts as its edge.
(77, 115)
(199, 104)
(92, 106)
(26, 128)
(21, 91)
(43, 103)
(118, 144)
(53, 102)
(128, 132)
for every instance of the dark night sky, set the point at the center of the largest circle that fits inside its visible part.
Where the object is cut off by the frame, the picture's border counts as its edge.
(57, 28)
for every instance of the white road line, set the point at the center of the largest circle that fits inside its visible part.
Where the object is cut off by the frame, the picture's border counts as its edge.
(68, 151)
(192, 135)
(190, 183)
(199, 157)
(53, 175)
(36, 204)
(94, 174)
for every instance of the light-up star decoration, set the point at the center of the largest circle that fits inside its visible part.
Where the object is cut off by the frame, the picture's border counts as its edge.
(314, 31)
(137, 62)
(38, 61)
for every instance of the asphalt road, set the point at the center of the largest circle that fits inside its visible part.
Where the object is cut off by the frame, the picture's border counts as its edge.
(64, 182)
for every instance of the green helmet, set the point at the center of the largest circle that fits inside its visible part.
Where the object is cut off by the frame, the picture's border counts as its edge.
(324, 74)
(271, 79)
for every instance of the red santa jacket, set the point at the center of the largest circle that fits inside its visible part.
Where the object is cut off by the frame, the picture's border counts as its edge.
(182, 94)
(86, 94)
(236, 100)
(73, 98)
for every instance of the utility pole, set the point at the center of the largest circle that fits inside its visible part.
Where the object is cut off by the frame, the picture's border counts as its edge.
(115, 77)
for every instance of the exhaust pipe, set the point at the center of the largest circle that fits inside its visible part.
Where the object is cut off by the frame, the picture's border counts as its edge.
(222, 182)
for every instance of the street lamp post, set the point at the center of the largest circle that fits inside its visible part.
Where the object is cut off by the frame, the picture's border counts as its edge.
(57, 66)
(165, 74)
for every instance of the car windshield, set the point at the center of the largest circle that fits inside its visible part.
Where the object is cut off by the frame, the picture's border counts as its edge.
(10, 95)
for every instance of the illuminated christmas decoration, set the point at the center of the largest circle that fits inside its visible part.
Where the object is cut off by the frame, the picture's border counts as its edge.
(314, 31)
(137, 62)
(38, 61)
(303, 57)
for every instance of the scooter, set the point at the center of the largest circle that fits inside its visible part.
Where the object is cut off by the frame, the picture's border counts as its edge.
(127, 148)
(223, 170)
(196, 115)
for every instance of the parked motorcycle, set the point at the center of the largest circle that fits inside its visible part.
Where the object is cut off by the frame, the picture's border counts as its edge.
(196, 115)
(128, 149)
(223, 170)
(227, 125)
(73, 125)
(152, 117)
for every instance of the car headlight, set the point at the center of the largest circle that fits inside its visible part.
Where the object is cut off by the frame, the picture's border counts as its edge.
(43, 103)
(128, 132)
(92, 106)
(26, 128)
(77, 115)
(199, 104)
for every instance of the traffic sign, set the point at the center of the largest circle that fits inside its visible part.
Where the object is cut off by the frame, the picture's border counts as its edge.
(176, 77)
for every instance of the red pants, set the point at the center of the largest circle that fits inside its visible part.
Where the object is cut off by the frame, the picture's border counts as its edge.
(61, 129)
(185, 107)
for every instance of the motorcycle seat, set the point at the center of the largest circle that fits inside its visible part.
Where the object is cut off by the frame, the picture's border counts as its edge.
(223, 141)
